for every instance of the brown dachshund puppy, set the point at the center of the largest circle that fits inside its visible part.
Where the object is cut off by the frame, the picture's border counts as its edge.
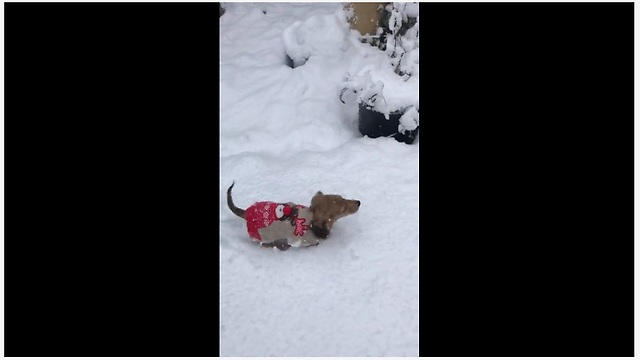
(284, 225)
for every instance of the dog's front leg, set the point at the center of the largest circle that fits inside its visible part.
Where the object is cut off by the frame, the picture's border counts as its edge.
(281, 244)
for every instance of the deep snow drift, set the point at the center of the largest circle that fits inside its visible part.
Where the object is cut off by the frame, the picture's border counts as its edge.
(285, 134)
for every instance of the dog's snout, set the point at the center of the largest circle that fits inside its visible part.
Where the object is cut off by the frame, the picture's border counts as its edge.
(358, 203)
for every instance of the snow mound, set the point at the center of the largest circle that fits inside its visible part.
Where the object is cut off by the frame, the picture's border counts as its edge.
(384, 91)
(411, 9)
(409, 121)
(320, 35)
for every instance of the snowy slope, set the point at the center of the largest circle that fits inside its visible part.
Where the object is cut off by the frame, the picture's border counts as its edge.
(284, 134)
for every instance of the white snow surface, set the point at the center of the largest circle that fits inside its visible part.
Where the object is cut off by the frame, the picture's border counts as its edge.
(284, 134)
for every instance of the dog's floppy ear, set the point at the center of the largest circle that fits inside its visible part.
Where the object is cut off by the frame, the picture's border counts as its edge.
(314, 200)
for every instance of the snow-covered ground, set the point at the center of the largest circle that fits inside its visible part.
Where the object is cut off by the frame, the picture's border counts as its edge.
(284, 134)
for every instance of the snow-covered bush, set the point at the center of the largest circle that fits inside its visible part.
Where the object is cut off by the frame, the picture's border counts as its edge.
(400, 36)
(391, 86)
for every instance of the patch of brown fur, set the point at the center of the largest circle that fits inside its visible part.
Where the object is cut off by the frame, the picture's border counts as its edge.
(327, 209)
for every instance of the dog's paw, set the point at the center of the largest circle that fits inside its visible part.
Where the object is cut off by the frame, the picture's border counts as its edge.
(278, 244)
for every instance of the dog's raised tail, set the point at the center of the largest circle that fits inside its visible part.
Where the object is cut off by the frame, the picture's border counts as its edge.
(236, 210)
